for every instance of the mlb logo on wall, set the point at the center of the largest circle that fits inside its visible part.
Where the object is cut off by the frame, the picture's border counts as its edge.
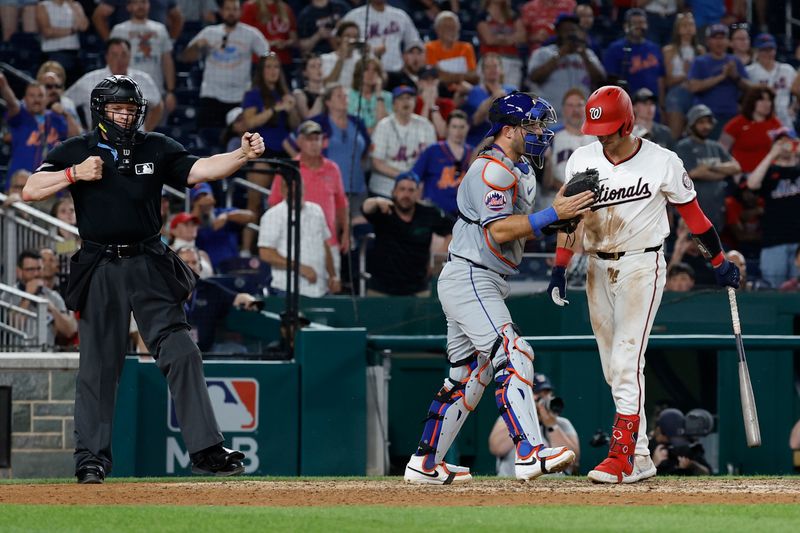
(235, 403)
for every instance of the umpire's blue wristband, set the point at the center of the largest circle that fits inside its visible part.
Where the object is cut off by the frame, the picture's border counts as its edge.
(541, 219)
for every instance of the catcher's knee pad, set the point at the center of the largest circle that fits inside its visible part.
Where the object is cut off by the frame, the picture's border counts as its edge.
(459, 396)
(514, 394)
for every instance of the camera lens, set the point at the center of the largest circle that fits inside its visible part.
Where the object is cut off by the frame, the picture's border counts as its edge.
(556, 405)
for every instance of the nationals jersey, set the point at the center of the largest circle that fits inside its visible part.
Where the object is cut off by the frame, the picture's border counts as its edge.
(630, 213)
(492, 189)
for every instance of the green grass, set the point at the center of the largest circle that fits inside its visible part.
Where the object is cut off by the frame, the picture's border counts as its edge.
(138, 519)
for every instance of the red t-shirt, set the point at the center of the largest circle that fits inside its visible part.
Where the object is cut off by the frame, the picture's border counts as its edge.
(751, 142)
(539, 17)
(322, 185)
(277, 28)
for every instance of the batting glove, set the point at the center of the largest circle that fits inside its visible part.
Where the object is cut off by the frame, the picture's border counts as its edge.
(727, 275)
(558, 286)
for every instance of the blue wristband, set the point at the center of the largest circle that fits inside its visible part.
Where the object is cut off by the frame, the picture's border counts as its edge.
(541, 219)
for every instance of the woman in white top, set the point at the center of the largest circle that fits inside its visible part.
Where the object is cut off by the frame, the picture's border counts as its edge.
(59, 23)
(678, 57)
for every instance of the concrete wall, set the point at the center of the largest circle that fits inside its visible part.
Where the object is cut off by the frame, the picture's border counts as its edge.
(43, 399)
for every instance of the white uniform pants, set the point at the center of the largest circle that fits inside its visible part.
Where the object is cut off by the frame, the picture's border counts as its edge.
(624, 296)
(473, 300)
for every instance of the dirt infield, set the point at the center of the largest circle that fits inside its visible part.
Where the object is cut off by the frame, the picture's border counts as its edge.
(482, 492)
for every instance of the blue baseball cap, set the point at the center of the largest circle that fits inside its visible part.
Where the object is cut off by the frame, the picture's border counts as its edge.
(407, 175)
(764, 41)
(540, 382)
(404, 89)
(200, 189)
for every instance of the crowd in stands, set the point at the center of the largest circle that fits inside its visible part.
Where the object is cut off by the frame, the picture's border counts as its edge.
(383, 103)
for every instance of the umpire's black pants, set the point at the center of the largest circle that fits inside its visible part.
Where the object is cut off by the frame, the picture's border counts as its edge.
(119, 285)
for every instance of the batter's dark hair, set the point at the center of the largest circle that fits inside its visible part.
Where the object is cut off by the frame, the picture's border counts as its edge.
(27, 254)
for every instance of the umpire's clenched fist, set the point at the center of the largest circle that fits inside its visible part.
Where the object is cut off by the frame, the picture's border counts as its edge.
(252, 145)
(90, 170)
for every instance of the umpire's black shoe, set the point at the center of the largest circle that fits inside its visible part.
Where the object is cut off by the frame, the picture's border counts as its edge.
(90, 475)
(218, 461)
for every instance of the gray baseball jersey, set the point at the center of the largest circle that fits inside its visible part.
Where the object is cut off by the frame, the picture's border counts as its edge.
(492, 189)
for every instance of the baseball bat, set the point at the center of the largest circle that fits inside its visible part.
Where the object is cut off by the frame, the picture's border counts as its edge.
(749, 413)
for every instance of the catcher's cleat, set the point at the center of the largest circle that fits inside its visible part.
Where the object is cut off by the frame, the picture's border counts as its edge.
(90, 474)
(543, 460)
(218, 461)
(611, 470)
(441, 474)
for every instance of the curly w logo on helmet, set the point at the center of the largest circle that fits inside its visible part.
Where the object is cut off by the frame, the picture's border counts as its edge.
(596, 112)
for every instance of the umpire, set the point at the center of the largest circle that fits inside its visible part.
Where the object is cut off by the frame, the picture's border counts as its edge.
(115, 174)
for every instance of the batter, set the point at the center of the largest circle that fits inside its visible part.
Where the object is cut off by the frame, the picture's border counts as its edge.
(495, 201)
(623, 236)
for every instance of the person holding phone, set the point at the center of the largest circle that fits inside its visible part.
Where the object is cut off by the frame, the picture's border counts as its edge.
(777, 180)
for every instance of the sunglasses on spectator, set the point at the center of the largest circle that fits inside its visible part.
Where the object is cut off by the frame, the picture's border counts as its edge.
(50, 86)
(740, 26)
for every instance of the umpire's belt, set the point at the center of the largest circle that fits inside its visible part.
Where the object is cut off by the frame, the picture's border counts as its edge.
(120, 250)
(616, 255)
(450, 257)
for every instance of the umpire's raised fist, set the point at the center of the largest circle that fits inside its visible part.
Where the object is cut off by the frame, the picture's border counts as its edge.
(252, 145)
(90, 170)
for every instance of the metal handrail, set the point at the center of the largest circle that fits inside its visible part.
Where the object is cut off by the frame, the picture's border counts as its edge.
(39, 316)
(41, 215)
(241, 182)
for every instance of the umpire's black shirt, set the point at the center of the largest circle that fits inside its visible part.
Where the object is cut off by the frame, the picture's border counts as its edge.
(122, 208)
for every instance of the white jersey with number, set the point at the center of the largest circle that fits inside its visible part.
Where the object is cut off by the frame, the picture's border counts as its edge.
(630, 213)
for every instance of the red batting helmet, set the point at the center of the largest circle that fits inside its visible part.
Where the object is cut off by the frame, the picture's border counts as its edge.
(608, 110)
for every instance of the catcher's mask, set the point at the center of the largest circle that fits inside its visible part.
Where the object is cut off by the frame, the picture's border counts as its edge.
(526, 111)
(118, 90)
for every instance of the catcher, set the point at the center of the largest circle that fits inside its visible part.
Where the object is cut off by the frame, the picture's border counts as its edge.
(495, 200)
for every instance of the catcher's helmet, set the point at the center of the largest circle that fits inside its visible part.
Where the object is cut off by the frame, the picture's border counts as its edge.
(608, 110)
(526, 110)
(117, 90)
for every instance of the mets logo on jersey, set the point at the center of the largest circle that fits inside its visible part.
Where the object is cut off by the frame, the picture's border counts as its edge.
(595, 112)
(235, 404)
(495, 200)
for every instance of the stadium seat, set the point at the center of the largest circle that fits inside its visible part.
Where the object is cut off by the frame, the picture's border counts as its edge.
(184, 116)
(188, 96)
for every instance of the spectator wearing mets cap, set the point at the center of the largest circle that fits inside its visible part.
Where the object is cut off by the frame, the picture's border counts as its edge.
(322, 185)
(398, 141)
(717, 78)
(403, 228)
(183, 233)
(778, 76)
(220, 227)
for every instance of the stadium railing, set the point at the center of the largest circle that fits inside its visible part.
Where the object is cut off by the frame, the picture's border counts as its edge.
(23, 227)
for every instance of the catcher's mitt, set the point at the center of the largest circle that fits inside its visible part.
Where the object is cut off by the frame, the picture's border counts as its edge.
(585, 180)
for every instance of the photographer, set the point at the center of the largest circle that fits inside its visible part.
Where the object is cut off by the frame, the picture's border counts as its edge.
(557, 68)
(555, 429)
(674, 450)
